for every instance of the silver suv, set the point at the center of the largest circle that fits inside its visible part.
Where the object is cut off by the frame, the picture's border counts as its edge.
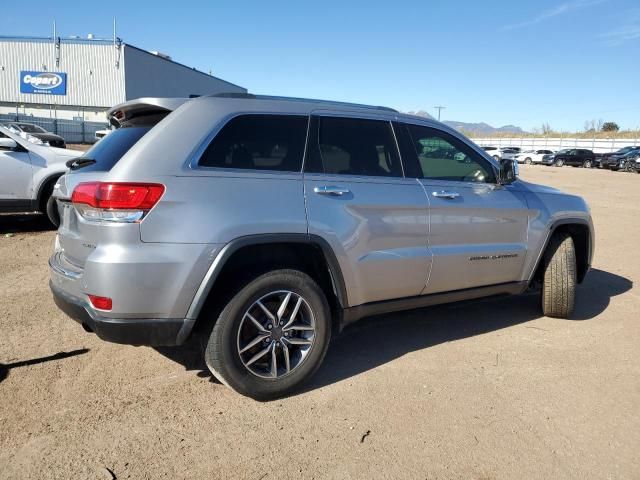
(267, 224)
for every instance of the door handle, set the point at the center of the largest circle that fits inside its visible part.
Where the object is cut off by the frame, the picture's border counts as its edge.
(443, 194)
(329, 190)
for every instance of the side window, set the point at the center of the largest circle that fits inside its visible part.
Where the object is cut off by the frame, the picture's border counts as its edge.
(259, 142)
(443, 157)
(356, 147)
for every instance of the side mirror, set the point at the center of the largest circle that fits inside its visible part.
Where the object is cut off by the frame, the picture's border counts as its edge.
(509, 171)
(8, 144)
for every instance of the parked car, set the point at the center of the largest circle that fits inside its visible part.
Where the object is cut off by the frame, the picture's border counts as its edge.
(28, 173)
(499, 153)
(532, 156)
(264, 225)
(37, 131)
(625, 162)
(510, 152)
(102, 133)
(609, 160)
(575, 157)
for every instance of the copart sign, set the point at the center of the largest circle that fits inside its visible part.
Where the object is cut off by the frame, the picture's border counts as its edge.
(47, 83)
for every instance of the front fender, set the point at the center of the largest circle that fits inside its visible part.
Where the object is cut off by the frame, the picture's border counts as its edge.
(548, 212)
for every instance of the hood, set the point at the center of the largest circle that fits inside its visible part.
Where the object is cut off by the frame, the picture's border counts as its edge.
(537, 188)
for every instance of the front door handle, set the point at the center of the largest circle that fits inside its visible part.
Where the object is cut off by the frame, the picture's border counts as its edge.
(443, 194)
(329, 190)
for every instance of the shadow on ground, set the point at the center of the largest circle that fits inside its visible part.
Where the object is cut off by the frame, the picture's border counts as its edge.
(24, 223)
(4, 368)
(377, 340)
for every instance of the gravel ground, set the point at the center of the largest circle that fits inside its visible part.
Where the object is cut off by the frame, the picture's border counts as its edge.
(485, 390)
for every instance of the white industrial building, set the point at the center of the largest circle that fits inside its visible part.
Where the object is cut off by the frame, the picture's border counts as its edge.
(78, 79)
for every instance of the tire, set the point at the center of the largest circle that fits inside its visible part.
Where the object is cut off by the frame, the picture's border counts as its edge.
(496, 157)
(48, 205)
(527, 161)
(559, 163)
(559, 282)
(52, 211)
(234, 331)
(587, 164)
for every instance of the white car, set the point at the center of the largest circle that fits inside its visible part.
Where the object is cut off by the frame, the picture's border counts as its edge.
(101, 133)
(29, 170)
(532, 156)
(502, 152)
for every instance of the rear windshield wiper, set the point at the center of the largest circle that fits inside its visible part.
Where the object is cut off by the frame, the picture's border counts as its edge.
(76, 163)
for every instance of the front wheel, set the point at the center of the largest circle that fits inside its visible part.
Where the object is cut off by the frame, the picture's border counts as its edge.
(559, 282)
(527, 161)
(52, 212)
(559, 163)
(272, 336)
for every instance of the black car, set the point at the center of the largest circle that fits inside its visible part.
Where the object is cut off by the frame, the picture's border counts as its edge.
(611, 160)
(37, 131)
(627, 163)
(576, 157)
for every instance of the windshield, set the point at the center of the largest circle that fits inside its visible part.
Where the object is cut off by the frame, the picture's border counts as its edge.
(110, 149)
(565, 150)
(30, 128)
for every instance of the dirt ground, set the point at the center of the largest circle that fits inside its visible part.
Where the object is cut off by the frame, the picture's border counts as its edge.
(485, 390)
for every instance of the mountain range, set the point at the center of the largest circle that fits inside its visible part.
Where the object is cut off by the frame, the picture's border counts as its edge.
(474, 128)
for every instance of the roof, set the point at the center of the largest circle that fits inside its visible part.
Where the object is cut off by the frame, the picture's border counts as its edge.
(250, 96)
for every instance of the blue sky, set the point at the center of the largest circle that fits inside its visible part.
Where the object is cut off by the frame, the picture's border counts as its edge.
(502, 62)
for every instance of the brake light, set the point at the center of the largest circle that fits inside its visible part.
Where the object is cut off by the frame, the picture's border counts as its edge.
(116, 202)
(101, 303)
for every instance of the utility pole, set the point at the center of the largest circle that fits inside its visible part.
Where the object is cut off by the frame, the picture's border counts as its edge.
(439, 109)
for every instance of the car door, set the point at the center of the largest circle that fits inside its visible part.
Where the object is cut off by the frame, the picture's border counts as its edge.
(478, 228)
(359, 201)
(16, 177)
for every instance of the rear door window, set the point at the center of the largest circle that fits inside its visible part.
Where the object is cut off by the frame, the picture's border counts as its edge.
(259, 142)
(354, 146)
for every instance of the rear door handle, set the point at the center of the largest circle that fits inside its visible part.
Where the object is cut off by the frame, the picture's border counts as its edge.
(444, 194)
(330, 190)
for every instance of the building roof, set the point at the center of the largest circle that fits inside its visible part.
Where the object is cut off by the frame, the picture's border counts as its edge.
(104, 41)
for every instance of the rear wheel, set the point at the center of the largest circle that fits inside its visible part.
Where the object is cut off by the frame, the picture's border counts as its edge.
(559, 281)
(272, 336)
(587, 164)
(527, 161)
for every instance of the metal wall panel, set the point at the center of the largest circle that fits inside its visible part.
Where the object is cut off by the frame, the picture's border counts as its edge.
(93, 80)
(148, 75)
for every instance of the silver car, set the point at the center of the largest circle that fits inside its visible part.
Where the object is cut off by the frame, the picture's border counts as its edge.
(265, 225)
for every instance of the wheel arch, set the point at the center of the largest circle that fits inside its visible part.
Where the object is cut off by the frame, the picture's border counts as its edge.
(580, 231)
(310, 253)
(50, 180)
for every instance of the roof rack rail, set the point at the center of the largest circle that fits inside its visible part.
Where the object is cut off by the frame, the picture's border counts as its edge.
(251, 96)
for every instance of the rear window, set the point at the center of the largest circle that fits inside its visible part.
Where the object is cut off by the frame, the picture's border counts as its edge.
(110, 149)
(259, 142)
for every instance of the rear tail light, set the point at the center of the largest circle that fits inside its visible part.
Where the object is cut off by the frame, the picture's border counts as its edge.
(115, 202)
(101, 303)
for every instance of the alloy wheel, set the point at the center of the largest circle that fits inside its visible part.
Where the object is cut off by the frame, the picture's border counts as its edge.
(276, 334)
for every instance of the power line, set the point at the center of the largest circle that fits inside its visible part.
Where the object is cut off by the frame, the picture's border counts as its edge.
(439, 109)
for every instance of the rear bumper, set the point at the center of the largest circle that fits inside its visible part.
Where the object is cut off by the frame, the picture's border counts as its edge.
(131, 331)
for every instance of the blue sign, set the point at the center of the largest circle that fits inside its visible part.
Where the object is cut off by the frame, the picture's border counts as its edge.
(47, 83)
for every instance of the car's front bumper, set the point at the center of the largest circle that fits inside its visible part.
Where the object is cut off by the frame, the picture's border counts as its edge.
(131, 331)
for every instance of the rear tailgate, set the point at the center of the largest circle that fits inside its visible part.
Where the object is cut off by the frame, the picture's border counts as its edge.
(78, 237)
